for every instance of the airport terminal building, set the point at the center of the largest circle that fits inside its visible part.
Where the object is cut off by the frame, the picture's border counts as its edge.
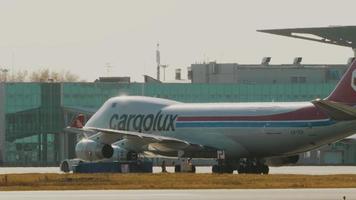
(33, 115)
(265, 73)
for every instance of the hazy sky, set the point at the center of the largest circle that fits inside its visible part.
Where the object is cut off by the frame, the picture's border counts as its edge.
(83, 35)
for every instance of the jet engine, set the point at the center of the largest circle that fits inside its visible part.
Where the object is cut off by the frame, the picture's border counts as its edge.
(120, 154)
(280, 161)
(90, 150)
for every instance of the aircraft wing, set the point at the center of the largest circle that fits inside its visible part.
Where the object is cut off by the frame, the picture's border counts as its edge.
(139, 141)
(153, 142)
(337, 111)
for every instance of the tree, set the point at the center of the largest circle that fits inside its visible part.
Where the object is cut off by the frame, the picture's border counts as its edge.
(41, 75)
(20, 76)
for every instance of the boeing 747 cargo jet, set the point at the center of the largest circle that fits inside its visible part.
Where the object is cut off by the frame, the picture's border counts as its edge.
(260, 134)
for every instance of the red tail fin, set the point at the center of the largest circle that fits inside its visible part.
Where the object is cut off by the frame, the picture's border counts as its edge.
(78, 122)
(345, 90)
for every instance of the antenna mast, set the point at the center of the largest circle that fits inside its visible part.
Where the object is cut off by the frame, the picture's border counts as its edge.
(108, 67)
(158, 61)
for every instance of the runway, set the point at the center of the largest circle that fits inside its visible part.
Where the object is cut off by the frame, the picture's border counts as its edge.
(247, 194)
(308, 170)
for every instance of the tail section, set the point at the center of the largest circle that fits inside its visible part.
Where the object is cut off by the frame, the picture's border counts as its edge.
(339, 104)
(345, 90)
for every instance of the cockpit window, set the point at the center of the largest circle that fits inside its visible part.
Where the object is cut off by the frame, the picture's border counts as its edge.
(113, 105)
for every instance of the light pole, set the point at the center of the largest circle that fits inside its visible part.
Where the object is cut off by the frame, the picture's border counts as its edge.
(164, 71)
(4, 71)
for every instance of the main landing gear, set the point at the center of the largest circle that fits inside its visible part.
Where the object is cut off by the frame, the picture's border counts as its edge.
(245, 166)
(223, 169)
(223, 166)
(131, 155)
(252, 166)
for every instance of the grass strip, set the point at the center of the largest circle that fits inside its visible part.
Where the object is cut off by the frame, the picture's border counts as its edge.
(103, 181)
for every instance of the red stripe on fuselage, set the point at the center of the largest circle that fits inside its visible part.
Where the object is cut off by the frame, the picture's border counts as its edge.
(306, 113)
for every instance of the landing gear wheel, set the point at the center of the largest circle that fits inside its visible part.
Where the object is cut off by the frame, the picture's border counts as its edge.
(131, 155)
(193, 169)
(264, 169)
(177, 169)
(241, 170)
(228, 170)
(222, 169)
(64, 167)
(215, 169)
(252, 167)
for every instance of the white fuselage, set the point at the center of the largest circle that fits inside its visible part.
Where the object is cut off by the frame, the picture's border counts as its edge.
(241, 129)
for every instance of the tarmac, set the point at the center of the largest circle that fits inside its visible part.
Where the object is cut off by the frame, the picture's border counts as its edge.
(308, 170)
(246, 194)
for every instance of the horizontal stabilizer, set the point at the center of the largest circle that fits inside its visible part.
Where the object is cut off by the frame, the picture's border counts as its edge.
(349, 140)
(337, 111)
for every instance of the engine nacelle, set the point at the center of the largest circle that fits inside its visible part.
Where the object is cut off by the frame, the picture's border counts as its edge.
(280, 161)
(90, 150)
(120, 154)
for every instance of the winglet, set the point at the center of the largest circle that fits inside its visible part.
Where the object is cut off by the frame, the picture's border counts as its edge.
(78, 121)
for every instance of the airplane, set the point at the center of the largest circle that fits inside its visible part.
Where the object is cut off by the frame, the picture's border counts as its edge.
(253, 136)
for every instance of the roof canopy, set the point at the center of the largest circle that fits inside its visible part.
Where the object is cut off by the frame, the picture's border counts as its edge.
(338, 35)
